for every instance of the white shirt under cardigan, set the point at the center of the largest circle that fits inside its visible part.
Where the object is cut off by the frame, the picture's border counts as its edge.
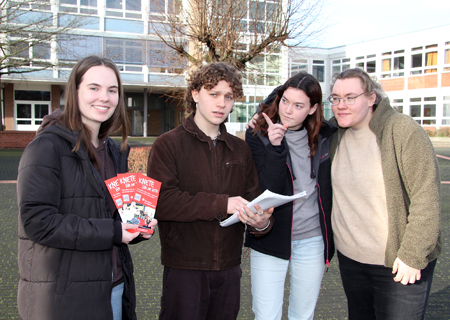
(359, 216)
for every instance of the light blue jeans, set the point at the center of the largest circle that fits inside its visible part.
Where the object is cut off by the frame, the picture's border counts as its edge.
(268, 279)
(116, 301)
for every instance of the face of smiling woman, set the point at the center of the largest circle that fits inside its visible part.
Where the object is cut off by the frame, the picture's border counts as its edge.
(98, 96)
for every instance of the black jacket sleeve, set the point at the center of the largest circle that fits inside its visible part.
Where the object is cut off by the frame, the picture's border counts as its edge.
(41, 191)
(270, 163)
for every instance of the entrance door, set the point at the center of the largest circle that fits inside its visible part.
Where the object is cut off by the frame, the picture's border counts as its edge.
(29, 114)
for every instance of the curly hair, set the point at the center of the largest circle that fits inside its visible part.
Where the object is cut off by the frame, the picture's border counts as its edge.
(208, 76)
(311, 87)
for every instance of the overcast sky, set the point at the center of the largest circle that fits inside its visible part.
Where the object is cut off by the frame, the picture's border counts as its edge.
(354, 21)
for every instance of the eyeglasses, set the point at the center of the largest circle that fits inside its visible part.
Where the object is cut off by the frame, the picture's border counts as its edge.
(348, 101)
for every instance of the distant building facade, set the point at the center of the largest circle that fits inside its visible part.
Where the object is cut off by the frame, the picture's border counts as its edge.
(150, 72)
(413, 68)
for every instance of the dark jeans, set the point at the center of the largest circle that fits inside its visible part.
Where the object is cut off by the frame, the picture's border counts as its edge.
(372, 292)
(200, 295)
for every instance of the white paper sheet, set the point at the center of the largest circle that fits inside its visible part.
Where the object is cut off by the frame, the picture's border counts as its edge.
(266, 200)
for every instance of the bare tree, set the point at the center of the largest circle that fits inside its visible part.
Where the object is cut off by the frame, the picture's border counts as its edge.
(28, 31)
(236, 31)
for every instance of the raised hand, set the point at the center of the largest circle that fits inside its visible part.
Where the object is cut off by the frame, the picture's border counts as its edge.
(275, 131)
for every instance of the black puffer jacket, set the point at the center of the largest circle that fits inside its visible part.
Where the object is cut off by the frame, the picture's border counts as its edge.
(274, 171)
(67, 232)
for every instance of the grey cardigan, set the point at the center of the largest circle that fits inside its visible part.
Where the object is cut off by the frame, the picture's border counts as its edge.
(412, 183)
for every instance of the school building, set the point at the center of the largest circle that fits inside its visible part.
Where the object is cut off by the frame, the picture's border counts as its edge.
(413, 68)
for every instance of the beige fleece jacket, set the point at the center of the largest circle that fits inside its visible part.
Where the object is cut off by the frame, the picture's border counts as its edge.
(412, 183)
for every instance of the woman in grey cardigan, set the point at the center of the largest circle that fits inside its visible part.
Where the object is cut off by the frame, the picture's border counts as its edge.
(386, 202)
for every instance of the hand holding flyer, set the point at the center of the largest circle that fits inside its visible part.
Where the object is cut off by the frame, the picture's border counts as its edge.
(135, 196)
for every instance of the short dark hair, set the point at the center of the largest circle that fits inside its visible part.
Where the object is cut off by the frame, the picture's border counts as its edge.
(208, 76)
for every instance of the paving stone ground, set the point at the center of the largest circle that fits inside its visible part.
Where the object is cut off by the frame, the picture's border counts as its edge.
(148, 270)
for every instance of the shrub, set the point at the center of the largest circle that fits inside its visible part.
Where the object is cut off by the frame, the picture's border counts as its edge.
(137, 161)
(431, 133)
(443, 132)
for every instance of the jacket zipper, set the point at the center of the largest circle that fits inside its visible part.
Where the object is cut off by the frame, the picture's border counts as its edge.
(327, 261)
(293, 206)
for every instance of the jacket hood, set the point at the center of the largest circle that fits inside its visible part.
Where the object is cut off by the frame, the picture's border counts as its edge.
(50, 119)
(51, 124)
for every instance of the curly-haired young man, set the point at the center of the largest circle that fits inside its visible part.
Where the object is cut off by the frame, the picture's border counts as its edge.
(206, 174)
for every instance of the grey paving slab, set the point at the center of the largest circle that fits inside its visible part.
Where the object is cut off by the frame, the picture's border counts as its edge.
(148, 270)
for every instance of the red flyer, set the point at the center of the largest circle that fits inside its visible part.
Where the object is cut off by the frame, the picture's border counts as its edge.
(127, 186)
(135, 196)
(146, 195)
(113, 186)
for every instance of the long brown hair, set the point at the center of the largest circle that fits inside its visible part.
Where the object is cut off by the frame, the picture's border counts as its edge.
(71, 116)
(308, 84)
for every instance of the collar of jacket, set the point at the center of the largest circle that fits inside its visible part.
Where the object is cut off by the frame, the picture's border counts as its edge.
(190, 126)
(327, 129)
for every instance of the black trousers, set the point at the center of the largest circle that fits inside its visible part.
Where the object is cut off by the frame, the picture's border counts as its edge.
(198, 295)
(373, 294)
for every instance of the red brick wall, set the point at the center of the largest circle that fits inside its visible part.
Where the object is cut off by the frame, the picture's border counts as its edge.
(446, 79)
(15, 139)
(393, 84)
(420, 82)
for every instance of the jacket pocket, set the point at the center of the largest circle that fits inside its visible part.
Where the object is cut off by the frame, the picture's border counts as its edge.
(64, 271)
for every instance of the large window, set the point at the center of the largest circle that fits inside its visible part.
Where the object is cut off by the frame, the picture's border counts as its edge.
(423, 110)
(298, 65)
(319, 70)
(367, 63)
(74, 47)
(446, 111)
(339, 66)
(30, 109)
(22, 48)
(124, 8)
(78, 6)
(393, 64)
(424, 60)
(160, 59)
(123, 51)
(447, 56)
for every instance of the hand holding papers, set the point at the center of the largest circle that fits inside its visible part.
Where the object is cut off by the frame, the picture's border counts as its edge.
(266, 200)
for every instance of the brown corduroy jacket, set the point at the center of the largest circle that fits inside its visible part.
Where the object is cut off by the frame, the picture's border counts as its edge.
(197, 179)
